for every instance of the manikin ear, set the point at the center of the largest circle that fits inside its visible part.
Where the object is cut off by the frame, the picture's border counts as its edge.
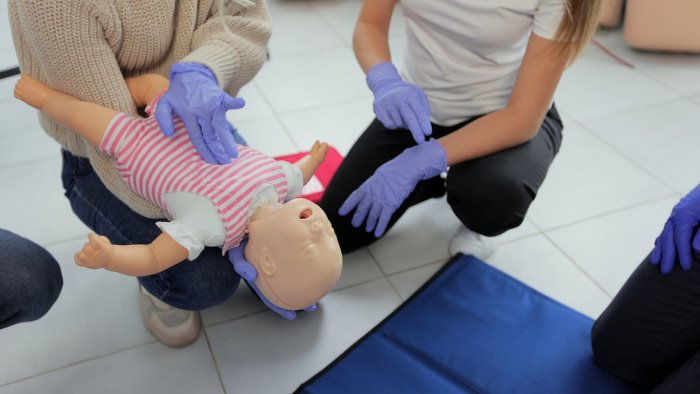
(267, 265)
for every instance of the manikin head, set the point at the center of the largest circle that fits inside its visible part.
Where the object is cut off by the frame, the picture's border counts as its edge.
(295, 251)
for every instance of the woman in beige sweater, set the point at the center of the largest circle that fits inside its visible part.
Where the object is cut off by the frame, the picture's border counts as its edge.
(86, 49)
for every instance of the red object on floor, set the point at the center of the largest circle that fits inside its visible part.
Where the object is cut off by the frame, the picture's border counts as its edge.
(313, 190)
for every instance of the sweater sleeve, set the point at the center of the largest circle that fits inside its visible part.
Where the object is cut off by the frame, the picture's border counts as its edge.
(235, 54)
(70, 45)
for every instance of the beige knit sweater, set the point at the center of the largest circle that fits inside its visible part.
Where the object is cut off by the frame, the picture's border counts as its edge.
(85, 48)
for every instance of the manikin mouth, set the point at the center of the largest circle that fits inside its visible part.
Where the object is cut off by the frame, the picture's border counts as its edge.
(306, 213)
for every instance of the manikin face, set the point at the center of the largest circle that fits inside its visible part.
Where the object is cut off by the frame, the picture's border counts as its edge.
(295, 251)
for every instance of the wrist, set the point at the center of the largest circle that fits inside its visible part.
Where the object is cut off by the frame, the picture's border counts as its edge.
(382, 74)
(433, 155)
(181, 68)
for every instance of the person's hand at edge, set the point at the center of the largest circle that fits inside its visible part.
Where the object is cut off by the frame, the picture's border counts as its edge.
(676, 239)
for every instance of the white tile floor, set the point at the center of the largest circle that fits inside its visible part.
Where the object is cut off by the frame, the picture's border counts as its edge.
(631, 137)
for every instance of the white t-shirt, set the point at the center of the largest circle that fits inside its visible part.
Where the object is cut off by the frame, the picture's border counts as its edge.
(465, 54)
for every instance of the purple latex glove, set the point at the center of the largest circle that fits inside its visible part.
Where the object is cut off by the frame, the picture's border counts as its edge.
(382, 194)
(248, 272)
(195, 96)
(399, 104)
(675, 242)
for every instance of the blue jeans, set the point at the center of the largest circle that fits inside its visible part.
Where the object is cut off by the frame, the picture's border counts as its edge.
(193, 285)
(30, 280)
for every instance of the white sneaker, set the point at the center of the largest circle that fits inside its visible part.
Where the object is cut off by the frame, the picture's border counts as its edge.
(466, 241)
(171, 326)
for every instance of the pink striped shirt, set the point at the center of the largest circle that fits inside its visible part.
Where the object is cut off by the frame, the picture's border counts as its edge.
(152, 165)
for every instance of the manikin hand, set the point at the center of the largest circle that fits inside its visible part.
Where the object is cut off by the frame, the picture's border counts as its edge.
(32, 91)
(398, 104)
(97, 253)
(382, 194)
(196, 97)
(676, 238)
(248, 272)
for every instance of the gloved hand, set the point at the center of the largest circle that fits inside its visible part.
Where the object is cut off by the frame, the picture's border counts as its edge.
(399, 104)
(195, 96)
(382, 194)
(248, 272)
(675, 239)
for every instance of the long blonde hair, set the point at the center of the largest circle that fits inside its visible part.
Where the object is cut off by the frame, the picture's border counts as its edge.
(578, 26)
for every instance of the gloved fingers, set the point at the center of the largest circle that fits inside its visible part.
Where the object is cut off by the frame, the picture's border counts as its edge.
(195, 133)
(351, 202)
(242, 266)
(422, 110)
(682, 237)
(655, 257)
(384, 218)
(230, 103)
(395, 115)
(245, 269)
(311, 308)
(373, 217)
(668, 257)
(412, 124)
(361, 211)
(164, 117)
(383, 116)
(229, 145)
(212, 141)
(225, 136)
(285, 313)
(696, 241)
(289, 315)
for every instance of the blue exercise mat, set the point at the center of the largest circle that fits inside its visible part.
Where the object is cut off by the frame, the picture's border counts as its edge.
(472, 329)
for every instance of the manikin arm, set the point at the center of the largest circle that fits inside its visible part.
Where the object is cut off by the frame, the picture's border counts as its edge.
(145, 88)
(137, 260)
(87, 119)
(309, 163)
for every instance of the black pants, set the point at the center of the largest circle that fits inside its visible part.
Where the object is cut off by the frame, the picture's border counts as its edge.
(650, 333)
(489, 195)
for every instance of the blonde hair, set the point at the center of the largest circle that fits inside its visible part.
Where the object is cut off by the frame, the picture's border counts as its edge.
(578, 26)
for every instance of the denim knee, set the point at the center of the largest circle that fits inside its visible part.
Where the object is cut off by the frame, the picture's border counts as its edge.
(30, 280)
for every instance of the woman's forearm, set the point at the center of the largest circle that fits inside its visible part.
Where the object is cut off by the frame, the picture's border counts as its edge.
(371, 46)
(491, 133)
(370, 40)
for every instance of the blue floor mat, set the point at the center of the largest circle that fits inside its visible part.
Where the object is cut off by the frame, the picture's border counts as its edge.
(472, 329)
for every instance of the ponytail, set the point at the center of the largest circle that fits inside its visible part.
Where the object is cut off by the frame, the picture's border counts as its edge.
(578, 26)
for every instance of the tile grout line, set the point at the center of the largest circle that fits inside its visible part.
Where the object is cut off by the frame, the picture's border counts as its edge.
(580, 269)
(293, 111)
(598, 117)
(213, 358)
(628, 158)
(62, 241)
(75, 363)
(247, 315)
(28, 162)
(649, 75)
(331, 26)
(607, 213)
(306, 52)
